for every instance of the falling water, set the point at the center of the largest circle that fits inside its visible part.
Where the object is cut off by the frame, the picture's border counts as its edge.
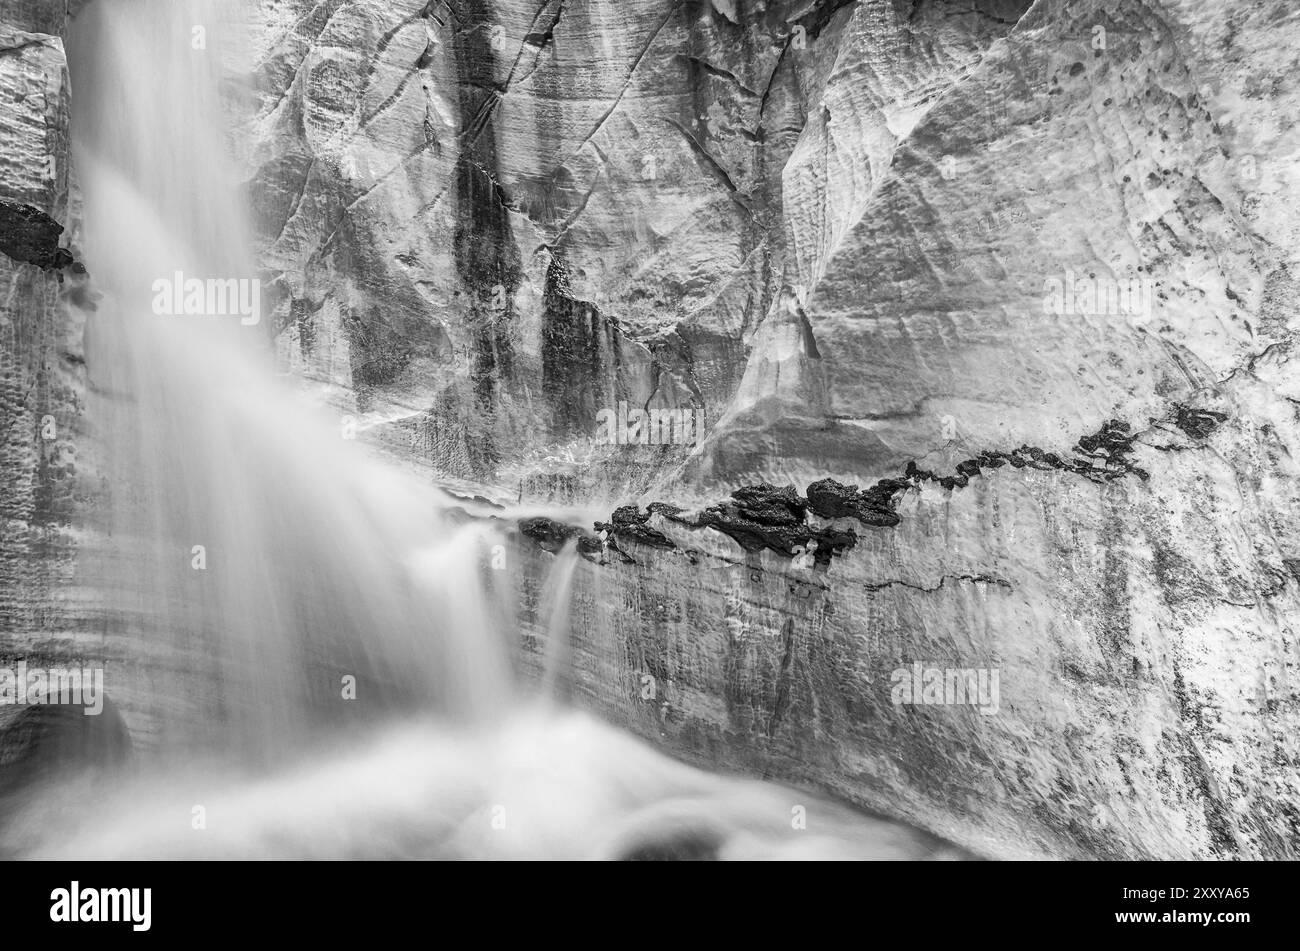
(251, 537)
(257, 562)
(557, 597)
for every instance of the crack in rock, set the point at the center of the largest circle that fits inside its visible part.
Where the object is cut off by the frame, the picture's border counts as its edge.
(974, 579)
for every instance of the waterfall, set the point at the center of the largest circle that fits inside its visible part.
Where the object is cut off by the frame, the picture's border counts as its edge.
(255, 540)
(559, 594)
(315, 665)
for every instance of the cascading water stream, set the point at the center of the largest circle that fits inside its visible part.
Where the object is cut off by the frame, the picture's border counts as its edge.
(559, 592)
(253, 536)
(257, 561)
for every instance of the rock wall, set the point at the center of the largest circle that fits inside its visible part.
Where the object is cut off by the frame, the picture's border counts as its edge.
(956, 253)
(42, 382)
(489, 221)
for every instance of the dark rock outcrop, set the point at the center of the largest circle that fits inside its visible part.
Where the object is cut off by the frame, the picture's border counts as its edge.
(765, 516)
(1197, 423)
(830, 499)
(553, 535)
(630, 523)
(31, 236)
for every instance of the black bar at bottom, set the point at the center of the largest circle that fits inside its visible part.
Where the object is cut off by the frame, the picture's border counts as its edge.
(334, 900)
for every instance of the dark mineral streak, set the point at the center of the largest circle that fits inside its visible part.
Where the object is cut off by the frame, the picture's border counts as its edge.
(487, 257)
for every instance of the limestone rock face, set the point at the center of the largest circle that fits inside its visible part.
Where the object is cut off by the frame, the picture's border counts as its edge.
(976, 238)
(488, 222)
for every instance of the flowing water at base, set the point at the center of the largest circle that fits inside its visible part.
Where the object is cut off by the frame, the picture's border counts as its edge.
(256, 562)
(538, 786)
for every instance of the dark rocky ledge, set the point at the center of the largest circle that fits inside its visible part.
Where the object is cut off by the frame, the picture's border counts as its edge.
(765, 516)
(31, 236)
(553, 535)
(775, 518)
(875, 506)
(628, 521)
